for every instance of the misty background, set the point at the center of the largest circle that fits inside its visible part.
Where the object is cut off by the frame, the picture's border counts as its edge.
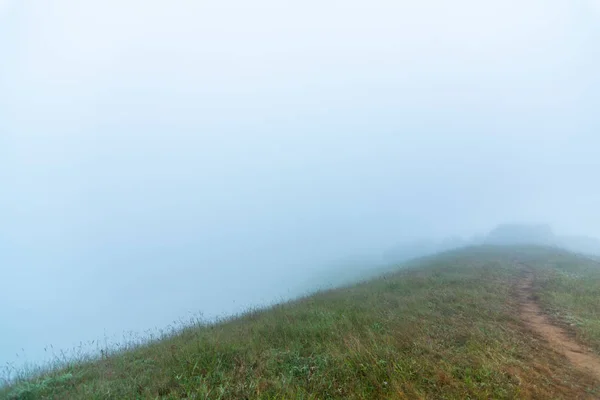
(163, 159)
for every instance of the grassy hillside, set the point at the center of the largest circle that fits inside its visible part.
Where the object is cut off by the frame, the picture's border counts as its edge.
(443, 327)
(570, 293)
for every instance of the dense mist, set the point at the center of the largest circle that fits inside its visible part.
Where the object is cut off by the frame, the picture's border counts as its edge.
(159, 160)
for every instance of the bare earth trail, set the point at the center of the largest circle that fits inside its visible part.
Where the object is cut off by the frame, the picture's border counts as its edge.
(559, 339)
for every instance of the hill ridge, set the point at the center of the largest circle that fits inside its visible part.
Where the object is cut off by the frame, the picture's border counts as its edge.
(447, 326)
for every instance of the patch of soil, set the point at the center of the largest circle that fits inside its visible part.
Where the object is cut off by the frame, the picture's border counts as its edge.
(559, 339)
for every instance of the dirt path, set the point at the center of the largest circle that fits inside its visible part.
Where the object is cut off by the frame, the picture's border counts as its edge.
(558, 338)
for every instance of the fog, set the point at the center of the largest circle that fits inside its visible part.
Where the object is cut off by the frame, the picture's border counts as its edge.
(159, 159)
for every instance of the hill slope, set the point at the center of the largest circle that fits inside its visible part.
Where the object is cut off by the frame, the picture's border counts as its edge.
(450, 326)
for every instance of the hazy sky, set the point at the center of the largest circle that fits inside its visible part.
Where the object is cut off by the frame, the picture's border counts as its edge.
(158, 158)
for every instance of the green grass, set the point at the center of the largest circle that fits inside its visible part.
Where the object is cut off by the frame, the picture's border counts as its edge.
(445, 327)
(570, 292)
